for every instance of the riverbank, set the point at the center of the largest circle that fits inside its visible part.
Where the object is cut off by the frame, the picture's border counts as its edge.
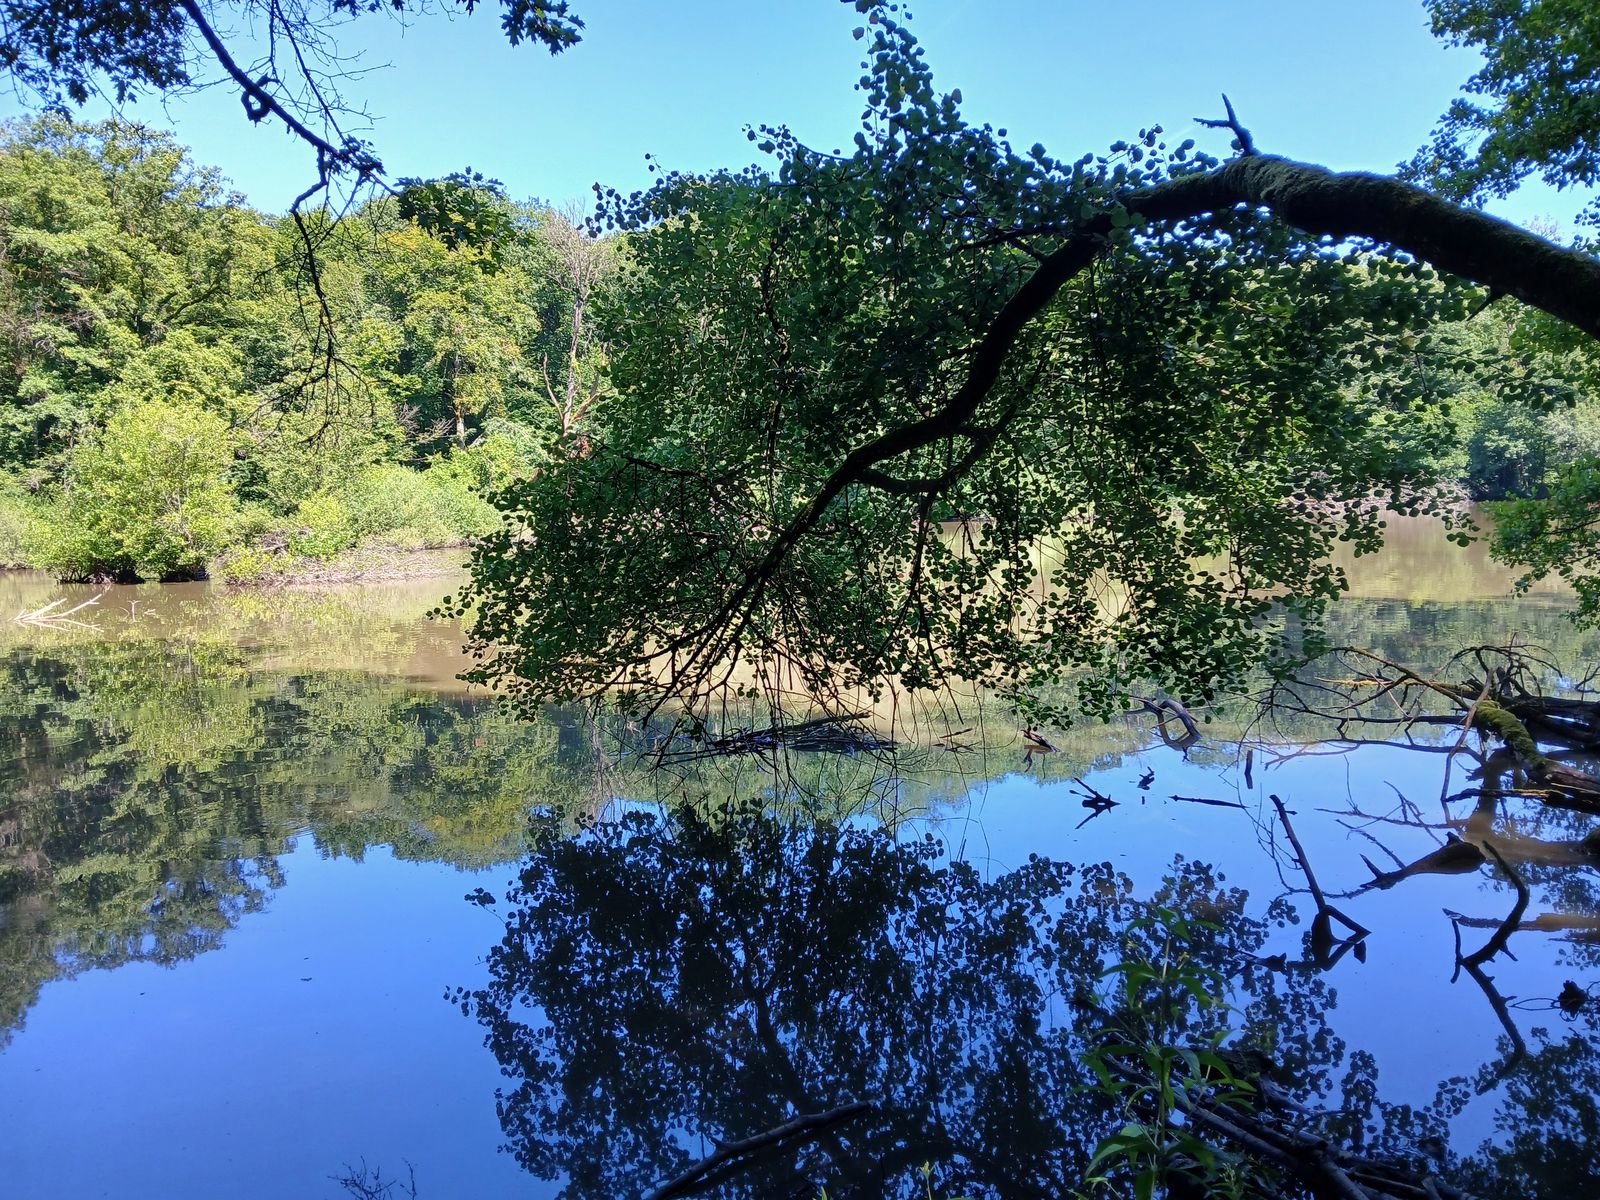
(364, 564)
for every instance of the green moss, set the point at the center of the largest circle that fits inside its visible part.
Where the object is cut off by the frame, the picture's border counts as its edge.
(1496, 721)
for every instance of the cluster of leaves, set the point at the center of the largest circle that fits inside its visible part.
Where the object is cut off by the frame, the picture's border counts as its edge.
(1153, 1079)
(144, 309)
(1185, 422)
(1530, 109)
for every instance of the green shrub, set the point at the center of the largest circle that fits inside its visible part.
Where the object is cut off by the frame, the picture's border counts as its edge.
(148, 498)
(436, 507)
(321, 527)
(460, 483)
(251, 563)
(513, 450)
(15, 513)
(383, 499)
(301, 454)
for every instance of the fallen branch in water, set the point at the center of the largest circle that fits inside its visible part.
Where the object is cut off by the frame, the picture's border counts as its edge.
(1502, 935)
(1163, 707)
(807, 1125)
(1209, 800)
(1472, 964)
(1276, 1135)
(835, 735)
(1326, 950)
(46, 616)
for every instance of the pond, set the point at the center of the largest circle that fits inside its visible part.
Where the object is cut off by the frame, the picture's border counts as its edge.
(273, 914)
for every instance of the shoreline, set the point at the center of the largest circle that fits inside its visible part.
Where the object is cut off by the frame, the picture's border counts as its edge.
(376, 564)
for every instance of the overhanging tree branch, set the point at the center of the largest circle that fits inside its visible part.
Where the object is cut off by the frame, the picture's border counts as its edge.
(1319, 202)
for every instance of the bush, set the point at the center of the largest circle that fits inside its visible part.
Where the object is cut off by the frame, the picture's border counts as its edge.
(251, 563)
(148, 498)
(460, 483)
(321, 527)
(301, 454)
(436, 507)
(15, 512)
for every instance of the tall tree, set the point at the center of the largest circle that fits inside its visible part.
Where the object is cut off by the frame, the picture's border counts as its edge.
(118, 257)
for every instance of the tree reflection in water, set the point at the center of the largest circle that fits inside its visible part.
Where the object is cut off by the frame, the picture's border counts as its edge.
(669, 983)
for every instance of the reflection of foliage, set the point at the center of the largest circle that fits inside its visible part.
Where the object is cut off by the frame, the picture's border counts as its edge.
(155, 785)
(1548, 1127)
(706, 981)
(670, 983)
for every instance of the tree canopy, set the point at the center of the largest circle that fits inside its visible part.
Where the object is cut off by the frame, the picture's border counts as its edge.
(1532, 109)
(163, 401)
(934, 407)
(942, 408)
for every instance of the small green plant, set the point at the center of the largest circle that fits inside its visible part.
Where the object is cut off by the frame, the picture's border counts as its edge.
(1155, 1079)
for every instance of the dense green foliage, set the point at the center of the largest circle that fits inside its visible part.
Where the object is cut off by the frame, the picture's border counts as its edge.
(1534, 106)
(1188, 426)
(1533, 109)
(161, 396)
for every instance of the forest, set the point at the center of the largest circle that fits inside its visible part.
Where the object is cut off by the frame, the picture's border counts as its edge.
(165, 413)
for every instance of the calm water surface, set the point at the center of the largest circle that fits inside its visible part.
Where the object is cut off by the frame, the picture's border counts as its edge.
(271, 907)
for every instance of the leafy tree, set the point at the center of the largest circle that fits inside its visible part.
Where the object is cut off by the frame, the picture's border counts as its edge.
(1150, 357)
(1531, 109)
(147, 498)
(703, 977)
(583, 269)
(121, 257)
(666, 983)
(461, 210)
(462, 325)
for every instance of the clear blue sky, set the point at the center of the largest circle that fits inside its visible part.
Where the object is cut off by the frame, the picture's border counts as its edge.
(1348, 83)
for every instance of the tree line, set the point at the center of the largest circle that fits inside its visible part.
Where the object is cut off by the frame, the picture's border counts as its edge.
(168, 404)
(180, 393)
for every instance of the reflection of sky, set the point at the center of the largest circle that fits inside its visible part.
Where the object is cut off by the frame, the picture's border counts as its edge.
(318, 1037)
(1400, 1003)
(319, 1034)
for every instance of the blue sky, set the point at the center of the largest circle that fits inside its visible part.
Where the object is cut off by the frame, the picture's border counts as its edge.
(1348, 83)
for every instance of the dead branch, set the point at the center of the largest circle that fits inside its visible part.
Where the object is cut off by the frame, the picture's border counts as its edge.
(1326, 950)
(805, 1126)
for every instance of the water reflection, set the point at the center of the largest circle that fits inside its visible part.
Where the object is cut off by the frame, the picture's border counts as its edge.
(147, 791)
(666, 980)
(668, 984)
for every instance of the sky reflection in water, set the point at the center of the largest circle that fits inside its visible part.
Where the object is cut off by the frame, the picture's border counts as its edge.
(233, 857)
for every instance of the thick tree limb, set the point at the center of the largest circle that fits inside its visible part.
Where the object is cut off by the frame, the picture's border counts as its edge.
(1320, 202)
